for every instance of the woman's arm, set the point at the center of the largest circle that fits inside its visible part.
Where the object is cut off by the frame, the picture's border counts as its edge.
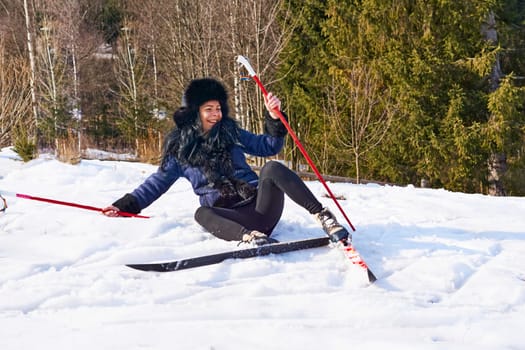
(148, 192)
(272, 141)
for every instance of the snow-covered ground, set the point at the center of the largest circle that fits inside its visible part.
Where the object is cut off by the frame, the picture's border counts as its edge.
(450, 268)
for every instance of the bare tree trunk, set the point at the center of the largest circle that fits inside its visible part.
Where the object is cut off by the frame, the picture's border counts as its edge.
(32, 66)
(77, 113)
(71, 46)
(239, 115)
(155, 77)
(357, 167)
(130, 57)
(497, 163)
(15, 96)
(72, 34)
(49, 60)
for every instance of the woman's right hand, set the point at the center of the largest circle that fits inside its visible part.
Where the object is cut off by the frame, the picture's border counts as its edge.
(272, 103)
(111, 211)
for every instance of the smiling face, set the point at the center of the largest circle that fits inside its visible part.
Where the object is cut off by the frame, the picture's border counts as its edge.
(210, 114)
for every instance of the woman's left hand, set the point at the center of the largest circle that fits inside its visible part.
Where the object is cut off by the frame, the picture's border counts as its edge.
(111, 211)
(272, 104)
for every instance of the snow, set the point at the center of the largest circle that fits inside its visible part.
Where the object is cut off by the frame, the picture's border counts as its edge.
(450, 270)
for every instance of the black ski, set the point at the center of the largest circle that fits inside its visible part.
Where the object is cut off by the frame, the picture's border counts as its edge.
(275, 248)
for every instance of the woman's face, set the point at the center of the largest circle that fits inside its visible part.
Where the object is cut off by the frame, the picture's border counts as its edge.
(210, 114)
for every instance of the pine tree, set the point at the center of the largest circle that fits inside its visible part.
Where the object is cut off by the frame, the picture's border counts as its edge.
(303, 77)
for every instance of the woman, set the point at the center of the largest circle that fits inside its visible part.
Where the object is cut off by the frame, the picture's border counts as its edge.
(208, 148)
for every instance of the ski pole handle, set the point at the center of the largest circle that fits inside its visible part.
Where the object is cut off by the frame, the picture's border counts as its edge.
(244, 61)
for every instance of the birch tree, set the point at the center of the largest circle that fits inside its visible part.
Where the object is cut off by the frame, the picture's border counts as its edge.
(257, 33)
(51, 84)
(31, 56)
(130, 68)
(360, 110)
(147, 32)
(75, 45)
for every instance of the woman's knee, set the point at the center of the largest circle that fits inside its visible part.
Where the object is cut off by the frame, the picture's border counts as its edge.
(201, 213)
(273, 167)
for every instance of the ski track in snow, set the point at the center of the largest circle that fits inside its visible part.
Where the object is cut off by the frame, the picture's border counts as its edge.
(449, 268)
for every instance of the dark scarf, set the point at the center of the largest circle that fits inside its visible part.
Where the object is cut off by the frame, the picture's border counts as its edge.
(211, 153)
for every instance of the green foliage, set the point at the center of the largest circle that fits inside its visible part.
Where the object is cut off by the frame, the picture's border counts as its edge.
(23, 144)
(54, 123)
(453, 78)
(434, 58)
(505, 128)
(505, 132)
(303, 71)
(460, 147)
(136, 121)
(514, 178)
(110, 20)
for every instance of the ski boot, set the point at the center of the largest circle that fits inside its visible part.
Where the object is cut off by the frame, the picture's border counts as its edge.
(256, 238)
(331, 227)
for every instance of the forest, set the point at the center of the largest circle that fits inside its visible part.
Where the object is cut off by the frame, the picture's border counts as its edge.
(429, 93)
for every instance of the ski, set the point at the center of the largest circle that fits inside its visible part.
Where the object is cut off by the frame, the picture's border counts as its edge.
(274, 248)
(355, 258)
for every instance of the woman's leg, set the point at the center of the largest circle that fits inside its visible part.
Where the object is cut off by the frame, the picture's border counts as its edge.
(262, 215)
(232, 224)
(276, 180)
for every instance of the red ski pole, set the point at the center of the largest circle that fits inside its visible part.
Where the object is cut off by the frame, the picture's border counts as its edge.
(242, 60)
(81, 206)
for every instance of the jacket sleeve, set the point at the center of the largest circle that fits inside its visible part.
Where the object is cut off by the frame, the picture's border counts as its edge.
(157, 184)
(260, 145)
(274, 127)
(127, 204)
(268, 144)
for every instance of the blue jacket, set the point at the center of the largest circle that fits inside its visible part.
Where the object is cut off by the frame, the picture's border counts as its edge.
(159, 182)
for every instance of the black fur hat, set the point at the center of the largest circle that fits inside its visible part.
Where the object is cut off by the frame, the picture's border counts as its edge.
(198, 92)
(202, 90)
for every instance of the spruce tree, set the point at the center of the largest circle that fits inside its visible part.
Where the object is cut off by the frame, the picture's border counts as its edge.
(433, 59)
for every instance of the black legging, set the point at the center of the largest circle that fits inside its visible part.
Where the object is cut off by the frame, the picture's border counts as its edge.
(264, 213)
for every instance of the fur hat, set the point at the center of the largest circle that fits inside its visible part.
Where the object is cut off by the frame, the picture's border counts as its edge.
(198, 92)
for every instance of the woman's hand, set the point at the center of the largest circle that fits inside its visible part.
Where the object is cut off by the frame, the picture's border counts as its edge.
(111, 211)
(272, 104)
